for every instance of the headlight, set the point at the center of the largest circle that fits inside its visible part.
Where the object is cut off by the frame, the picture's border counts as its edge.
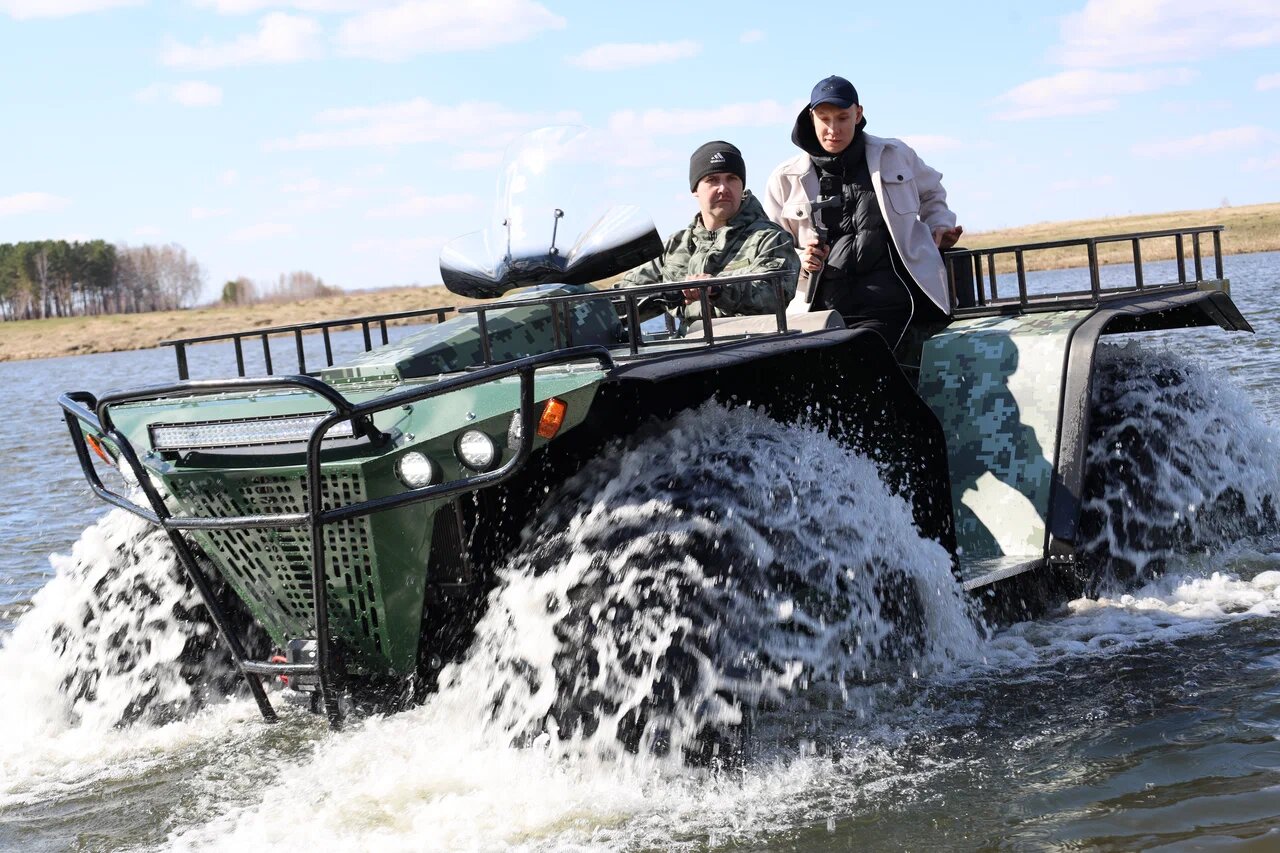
(416, 470)
(476, 450)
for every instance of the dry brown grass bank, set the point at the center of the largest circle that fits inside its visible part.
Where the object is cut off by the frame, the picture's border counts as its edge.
(1255, 228)
(113, 333)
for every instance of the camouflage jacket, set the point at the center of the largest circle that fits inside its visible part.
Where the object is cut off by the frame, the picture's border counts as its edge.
(749, 243)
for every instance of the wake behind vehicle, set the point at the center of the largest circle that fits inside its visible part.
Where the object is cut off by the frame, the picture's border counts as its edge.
(356, 512)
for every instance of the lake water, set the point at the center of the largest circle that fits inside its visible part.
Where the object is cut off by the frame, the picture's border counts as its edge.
(1144, 718)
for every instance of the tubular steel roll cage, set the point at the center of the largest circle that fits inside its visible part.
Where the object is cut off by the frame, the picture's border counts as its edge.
(83, 407)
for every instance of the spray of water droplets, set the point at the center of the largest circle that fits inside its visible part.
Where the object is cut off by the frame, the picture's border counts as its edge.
(1178, 461)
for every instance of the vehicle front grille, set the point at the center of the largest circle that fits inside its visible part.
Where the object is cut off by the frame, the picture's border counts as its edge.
(272, 567)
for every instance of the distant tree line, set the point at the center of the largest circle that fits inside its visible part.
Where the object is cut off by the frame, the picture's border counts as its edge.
(288, 288)
(56, 278)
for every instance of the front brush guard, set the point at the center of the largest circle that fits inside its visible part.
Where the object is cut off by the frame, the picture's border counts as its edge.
(81, 407)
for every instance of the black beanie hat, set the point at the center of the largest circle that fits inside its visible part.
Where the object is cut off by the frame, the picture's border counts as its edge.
(717, 156)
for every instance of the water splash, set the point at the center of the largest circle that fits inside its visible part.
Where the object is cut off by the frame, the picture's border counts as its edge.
(1178, 460)
(115, 638)
(720, 564)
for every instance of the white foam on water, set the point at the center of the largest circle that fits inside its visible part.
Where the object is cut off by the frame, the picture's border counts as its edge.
(99, 635)
(1180, 459)
(1192, 599)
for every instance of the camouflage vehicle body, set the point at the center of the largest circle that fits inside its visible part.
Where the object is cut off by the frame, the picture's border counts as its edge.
(291, 490)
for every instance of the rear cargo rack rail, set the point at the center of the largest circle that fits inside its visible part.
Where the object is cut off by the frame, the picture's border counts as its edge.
(82, 408)
(974, 283)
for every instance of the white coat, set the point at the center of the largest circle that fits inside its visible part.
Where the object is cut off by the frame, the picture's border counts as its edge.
(912, 202)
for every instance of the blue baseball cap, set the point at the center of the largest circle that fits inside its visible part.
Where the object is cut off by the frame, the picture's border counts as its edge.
(834, 90)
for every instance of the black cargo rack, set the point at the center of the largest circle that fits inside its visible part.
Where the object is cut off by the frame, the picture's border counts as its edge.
(628, 298)
(973, 279)
(297, 330)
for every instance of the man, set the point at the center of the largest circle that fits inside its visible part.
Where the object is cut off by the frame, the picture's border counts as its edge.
(730, 235)
(873, 252)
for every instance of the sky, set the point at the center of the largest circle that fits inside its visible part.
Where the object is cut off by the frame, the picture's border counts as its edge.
(353, 139)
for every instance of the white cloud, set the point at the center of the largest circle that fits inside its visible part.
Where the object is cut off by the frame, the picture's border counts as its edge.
(1214, 142)
(1110, 33)
(1267, 82)
(191, 93)
(660, 121)
(426, 205)
(228, 178)
(145, 232)
(417, 121)
(27, 9)
(473, 159)
(614, 57)
(308, 195)
(440, 26)
(751, 37)
(280, 38)
(308, 186)
(209, 212)
(261, 231)
(244, 7)
(1083, 91)
(11, 205)
(1261, 164)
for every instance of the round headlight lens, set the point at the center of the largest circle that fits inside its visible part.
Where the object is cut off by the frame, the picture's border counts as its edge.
(415, 470)
(476, 450)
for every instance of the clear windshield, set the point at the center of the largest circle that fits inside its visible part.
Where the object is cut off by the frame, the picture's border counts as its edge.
(551, 221)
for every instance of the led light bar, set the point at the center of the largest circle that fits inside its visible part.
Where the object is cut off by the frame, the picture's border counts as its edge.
(211, 434)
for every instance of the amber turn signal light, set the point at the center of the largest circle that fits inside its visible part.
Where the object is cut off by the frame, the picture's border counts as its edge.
(552, 417)
(96, 447)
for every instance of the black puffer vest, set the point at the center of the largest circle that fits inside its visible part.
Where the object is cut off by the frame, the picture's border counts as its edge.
(858, 278)
(856, 231)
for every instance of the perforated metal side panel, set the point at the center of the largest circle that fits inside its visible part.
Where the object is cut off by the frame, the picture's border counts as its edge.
(272, 568)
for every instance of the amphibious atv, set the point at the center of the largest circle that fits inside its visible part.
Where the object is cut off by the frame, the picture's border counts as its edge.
(356, 511)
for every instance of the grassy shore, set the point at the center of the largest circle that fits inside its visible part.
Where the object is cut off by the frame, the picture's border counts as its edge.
(1255, 228)
(1249, 229)
(112, 333)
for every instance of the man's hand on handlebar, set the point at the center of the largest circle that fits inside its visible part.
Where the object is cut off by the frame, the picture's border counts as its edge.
(693, 294)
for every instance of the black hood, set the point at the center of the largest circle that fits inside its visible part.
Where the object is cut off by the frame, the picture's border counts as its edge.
(806, 139)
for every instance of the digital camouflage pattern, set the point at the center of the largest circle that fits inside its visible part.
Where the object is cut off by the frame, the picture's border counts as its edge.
(995, 384)
(749, 243)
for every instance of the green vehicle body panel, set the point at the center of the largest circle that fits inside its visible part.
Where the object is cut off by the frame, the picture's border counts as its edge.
(376, 565)
(995, 383)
